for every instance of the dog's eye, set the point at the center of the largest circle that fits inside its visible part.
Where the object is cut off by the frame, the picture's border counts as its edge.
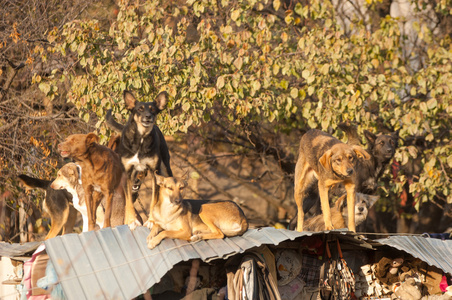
(350, 158)
(169, 188)
(140, 108)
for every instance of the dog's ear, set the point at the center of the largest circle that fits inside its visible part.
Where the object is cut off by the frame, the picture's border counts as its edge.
(341, 203)
(161, 100)
(372, 200)
(91, 138)
(72, 168)
(360, 152)
(370, 138)
(184, 180)
(159, 179)
(182, 183)
(325, 160)
(129, 100)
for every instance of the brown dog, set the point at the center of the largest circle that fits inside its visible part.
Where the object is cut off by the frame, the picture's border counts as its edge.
(101, 170)
(69, 179)
(325, 161)
(339, 214)
(190, 220)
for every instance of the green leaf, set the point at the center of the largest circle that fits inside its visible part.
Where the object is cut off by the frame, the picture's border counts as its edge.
(284, 84)
(299, 9)
(44, 87)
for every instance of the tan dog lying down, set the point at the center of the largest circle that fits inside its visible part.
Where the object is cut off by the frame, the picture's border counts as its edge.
(173, 217)
(69, 178)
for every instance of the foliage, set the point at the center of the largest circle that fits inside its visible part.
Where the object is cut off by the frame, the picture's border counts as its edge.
(30, 124)
(255, 71)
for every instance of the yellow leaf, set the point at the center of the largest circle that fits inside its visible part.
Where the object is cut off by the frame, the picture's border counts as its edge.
(235, 15)
(284, 37)
(238, 63)
(276, 4)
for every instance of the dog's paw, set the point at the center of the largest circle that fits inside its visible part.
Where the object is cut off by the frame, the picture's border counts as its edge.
(331, 227)
(195, 238)
(149, 224)
(133, 225)
(152, 243)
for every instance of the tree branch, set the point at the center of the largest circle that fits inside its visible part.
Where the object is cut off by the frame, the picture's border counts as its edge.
(13, 73)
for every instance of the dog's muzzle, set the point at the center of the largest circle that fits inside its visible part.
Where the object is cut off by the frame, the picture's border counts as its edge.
(147, 121)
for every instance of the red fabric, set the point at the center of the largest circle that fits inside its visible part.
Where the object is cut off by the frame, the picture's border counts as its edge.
(27, 275)
(443, 284)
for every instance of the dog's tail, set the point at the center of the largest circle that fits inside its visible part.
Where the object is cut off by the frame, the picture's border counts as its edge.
(112, 123)
(351, 131)
(33, 183)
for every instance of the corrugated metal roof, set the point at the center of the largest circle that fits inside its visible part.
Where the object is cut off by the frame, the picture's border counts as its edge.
(13, 250)
(435, 252)
(115, 263)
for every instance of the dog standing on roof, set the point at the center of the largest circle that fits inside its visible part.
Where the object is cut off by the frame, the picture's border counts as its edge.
(325, 161)
(142, 146)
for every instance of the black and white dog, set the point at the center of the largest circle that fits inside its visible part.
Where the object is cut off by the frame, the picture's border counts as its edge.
(142, 146)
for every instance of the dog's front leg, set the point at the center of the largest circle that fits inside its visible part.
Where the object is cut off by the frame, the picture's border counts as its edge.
(302, 181)
(91, 211)
(325, 204)
(130, 216)
(154, 231)
(171, 234)
(299, 195)
(351, 198)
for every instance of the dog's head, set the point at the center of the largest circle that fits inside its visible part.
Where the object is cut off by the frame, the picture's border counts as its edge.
(145, 113)
(138, 175)
(77, 144)
(171, 188)
(363, 203)
(341, 159)
(383, 146)
(67, 177)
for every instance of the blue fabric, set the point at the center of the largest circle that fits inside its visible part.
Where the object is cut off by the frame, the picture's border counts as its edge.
(50, 281)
